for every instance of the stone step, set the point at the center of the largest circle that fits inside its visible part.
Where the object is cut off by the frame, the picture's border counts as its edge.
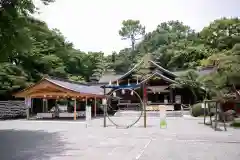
(150, 114)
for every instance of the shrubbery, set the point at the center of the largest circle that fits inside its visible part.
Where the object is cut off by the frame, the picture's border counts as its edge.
(197, 110)
(235, 124)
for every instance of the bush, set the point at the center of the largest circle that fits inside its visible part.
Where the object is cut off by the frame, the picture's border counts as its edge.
(197, 110)
(235, 124)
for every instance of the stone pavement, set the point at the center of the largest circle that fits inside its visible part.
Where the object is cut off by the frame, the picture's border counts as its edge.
(184, 139)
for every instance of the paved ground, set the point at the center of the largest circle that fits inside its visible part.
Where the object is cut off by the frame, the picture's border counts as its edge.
(184, 139)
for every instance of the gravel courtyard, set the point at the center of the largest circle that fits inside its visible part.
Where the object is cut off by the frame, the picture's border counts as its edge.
(184, 139)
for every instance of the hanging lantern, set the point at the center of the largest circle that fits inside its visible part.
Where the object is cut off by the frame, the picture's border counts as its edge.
(131, 93)
(104, 101)
(117, 83)
(114, 94)
(123, 91)
(110, 83)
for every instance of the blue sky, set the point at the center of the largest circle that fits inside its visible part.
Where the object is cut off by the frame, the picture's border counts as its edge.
(92, 25)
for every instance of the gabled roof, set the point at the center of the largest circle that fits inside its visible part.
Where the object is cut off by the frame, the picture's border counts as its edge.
(106, 78)
(156, 73)
(65, 86)
(76, 87)
(163, 69)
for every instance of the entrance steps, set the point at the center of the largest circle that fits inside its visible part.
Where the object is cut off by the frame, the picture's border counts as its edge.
(150, 113)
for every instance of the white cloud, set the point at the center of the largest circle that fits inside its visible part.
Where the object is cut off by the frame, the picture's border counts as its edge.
(92, 25)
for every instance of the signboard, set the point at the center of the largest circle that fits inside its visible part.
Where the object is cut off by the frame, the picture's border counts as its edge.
(28, 102)
(178, 99)
(162, 112)
(152, 108)
(88, 115)
(166, 101)
(205, 104)
(62, 108)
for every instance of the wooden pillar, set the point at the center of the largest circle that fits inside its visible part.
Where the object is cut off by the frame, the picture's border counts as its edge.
(43, 106)
(104, 110)
(144, 103)
(86, 103)
(27, 110)
(31, 106)
(204, 120)
(75, 109)
(95, 107)
(46, 105)
(171, 95)
(216, 115)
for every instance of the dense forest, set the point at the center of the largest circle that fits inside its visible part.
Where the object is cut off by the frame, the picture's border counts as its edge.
(30, 50)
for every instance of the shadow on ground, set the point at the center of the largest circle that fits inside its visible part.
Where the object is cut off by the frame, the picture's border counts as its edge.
(29, 145)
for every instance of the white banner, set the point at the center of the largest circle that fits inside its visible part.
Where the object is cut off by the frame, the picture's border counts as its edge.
(28, 102)
(88, 115)
(162, 112)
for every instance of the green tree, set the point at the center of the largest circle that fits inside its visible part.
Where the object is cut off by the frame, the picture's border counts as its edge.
(133, 30)
(190, 81)
(14, 36)
(226, 78)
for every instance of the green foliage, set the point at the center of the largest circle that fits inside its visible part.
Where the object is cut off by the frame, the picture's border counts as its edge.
(235, 124)
(30, 50)
(197, 110)
(132, 29)
(14, 16)
(190, 81)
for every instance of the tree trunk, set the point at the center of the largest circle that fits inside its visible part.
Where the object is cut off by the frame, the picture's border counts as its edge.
(236, 92)
(133, 42)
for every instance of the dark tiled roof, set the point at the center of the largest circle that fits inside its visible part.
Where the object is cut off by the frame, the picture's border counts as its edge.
(163, 69)
(77, 87)
(158, 74)
(106, 78)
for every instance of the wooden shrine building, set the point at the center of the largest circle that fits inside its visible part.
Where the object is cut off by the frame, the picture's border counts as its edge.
(47, 95)
(158, 82)
(43, 96)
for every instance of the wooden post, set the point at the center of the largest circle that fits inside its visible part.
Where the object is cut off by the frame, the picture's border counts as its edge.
(27, 110)
(86, 106)
(171, 95)
(43, 105)
(46, 105)
(104, 110)
(204, 121)
(95, 107)
(144, 104)
(75, 109)
(31, 106)
(216, 115)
